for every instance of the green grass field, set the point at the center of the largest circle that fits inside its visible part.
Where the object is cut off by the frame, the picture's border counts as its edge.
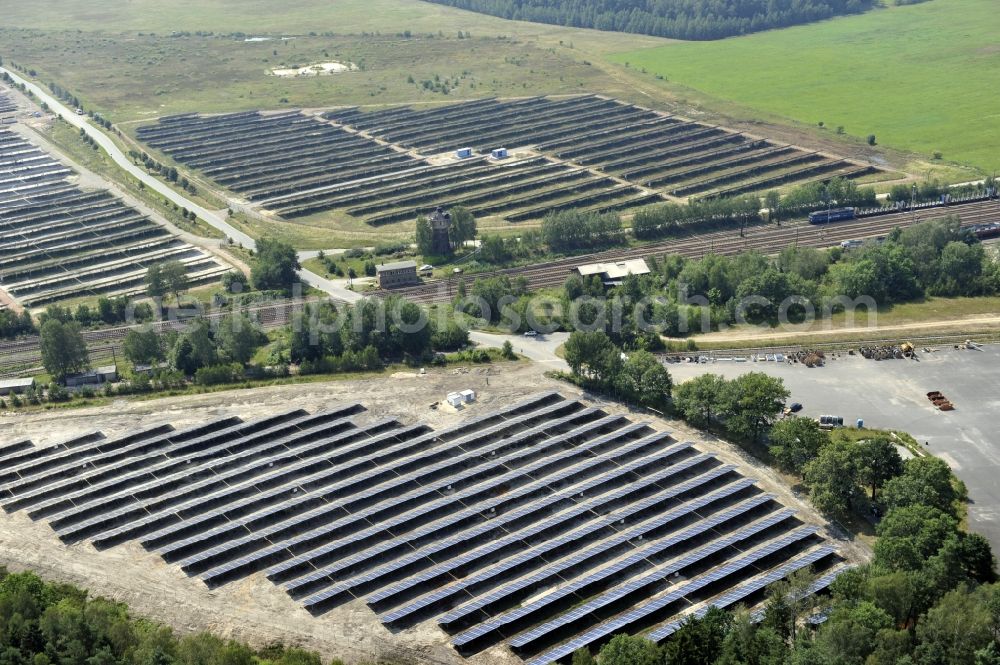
(922, 77)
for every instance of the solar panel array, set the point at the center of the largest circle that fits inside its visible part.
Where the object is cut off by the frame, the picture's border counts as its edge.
(546, 525)
(7, 105)
(60, 242)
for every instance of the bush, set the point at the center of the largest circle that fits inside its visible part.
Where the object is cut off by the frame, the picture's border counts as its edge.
(386, 248)
(218, 374)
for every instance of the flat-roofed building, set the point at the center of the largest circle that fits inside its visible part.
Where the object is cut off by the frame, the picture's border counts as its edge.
(400, 273)
(15, 386)
(612, 274)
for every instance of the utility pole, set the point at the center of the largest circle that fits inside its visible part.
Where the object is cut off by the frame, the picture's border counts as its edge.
(913, 203)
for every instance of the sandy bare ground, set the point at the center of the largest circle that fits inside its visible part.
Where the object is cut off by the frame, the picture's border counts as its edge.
(253, 609)
(750, 335)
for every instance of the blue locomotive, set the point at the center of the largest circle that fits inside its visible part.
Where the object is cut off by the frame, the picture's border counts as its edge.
(835, 215)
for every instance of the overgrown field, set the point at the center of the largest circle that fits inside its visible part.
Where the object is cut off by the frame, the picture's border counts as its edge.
(921, 77)
(128, 77)
(299, 18)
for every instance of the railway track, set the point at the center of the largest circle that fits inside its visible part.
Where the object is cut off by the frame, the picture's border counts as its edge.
(767, 239)
(26, 353)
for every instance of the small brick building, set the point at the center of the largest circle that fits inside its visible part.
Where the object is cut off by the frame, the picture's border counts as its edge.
(400, 273)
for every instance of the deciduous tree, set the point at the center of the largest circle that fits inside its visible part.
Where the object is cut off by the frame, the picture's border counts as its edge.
(63, 349)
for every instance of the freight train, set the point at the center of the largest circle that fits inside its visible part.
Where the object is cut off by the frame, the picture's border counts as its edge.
(835, 215)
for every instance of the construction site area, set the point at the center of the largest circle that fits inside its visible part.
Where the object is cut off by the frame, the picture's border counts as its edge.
(355, 520)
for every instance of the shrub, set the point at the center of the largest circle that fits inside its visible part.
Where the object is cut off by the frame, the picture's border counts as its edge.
(218, 374)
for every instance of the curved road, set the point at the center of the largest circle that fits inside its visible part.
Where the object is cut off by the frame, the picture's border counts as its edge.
(212, 217)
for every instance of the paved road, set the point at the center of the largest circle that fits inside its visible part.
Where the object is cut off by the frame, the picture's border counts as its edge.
(212, 217)
(892, 394)
(540, 349)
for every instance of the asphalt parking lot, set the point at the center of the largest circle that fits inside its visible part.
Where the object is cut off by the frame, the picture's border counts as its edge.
(893, 394)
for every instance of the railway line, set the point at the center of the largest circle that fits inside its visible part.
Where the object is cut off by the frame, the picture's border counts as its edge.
(25, 353)
(767, 239)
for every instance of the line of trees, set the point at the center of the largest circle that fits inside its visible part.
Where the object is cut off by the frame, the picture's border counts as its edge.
(928, 597)
(667, 219)
(14, 325)
(681, 295)
(599, 364)
(49, 623)
(571, 230)
(678, 19)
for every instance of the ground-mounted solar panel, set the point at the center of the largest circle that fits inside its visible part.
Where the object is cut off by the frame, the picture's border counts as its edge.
(12, 448)
(655, 577)
(24, 457)
(395, 521)
(442, 568)
(456, 616)
(546, 524)
(740, 592)
(434, 550)
(182, 460)
(561, 475)
(644, 611)
(43, 493)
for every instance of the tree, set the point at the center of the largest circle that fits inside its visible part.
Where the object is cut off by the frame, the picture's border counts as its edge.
(796, 441)
(424, 236)
(156, 285)
(644, 380)
(238, 338)
(956, 628)
(493, 249)
(700, 398)
(449, 337)
(275, 266)
(592, 356)
(174, 277)
(143, 347)
(878, 461)
(194, 349)
(582, 657)
(907, 537)
(849, 635)
(699, 641)
(63, 349)
(753, 401)
(235, 281)
(628, 650)
(748, 643)
(925, 481)
(463, 225)
(832, 478)
(772, 201)
(871, 139)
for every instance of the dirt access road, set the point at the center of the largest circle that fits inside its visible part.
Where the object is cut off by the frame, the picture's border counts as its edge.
(213, 217)
(769, 334)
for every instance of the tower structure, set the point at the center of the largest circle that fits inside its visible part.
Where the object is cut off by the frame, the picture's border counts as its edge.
(440, 231)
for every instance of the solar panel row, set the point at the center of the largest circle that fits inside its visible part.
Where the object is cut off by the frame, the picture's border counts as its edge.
(362, 487)
(598, 522)
(643, 612)
(515, 590)
(580, 587)
(434, 551)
